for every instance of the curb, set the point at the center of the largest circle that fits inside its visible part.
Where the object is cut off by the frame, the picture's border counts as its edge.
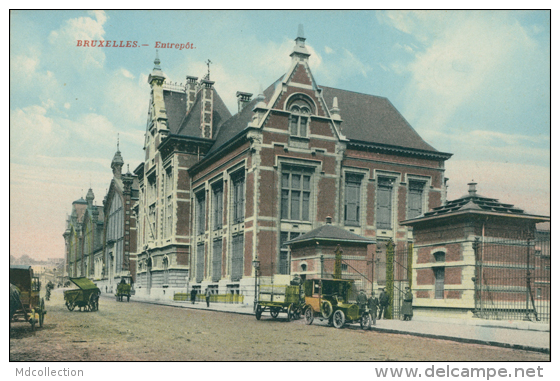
(465, 340)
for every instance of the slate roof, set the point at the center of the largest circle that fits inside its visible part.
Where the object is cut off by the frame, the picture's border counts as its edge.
(189, 125)
(331, 233)
(374, 119)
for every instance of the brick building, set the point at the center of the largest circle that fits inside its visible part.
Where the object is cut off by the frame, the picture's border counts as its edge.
(219, 191)
(101, 240)
(83, 236)
(477, 256)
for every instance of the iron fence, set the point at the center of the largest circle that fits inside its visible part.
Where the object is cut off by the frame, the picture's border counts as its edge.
(513, 279)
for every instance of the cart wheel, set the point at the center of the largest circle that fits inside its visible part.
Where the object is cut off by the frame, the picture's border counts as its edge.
(70, 306)
(326, 309)
(290, 312)
(258, 313)
(274, 313)
(42, 313)
(338, 318)
(365, 321)
(308, 315)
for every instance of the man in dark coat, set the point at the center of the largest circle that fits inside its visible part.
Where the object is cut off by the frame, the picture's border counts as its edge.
(361, 299)
(193, 295)
(383, 303)
(373, 302)
(407, 304)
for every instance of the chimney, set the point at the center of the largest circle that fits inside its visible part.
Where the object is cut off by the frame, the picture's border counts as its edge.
(191, 91)
(472, 188)
(242, 100)
(329, 220)
(207, 108)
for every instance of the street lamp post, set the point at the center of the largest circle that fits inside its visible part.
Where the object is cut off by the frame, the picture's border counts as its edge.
(256, 265)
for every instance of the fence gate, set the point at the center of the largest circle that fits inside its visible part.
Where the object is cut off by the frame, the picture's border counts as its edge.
(513, 279)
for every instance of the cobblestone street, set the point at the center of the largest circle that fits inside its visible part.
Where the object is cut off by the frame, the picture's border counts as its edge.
(146, 332)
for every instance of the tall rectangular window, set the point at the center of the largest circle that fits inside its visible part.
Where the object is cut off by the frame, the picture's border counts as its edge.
(439, 273)
(353, 183)
(284, 258)
(384, 203)
(217, 260)
(296, 194)
(217, 206)
(199, 263)
(238, 197)
(237, 257)
(415, 192)
(200, 213)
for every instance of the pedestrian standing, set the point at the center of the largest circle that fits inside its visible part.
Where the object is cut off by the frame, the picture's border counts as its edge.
(407, 304)
(193, 295)
(383, 303)
(208, 293)
(373, 302)
(362, 300)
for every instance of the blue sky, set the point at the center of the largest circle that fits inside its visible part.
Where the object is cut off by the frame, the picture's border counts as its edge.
(472, 83)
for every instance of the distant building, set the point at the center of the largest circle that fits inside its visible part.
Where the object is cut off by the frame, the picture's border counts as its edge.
(477, 256)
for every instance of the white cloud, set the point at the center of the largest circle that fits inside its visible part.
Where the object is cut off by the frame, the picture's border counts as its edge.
(64, 42)
(328, 50)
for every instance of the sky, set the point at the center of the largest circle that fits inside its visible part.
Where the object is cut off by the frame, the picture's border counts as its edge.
(472, 83)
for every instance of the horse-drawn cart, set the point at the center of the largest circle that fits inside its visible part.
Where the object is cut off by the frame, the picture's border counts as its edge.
(86, 296)
(277, 294)
(124, 289)
(25, 302)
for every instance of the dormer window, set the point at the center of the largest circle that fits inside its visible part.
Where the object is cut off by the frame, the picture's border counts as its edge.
(301, 110)
(299, 121)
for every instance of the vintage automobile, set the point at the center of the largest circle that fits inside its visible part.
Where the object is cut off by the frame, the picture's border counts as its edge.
(279, 294)
(328, 299)
(25, 301)
(86, 296)
(124, 289)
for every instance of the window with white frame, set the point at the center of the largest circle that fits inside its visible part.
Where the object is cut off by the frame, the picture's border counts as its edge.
(238, 197)
(217, 260)
(299, 120)
(237, 257)
(415, 199)
(200, 212)
(296, 194)
(217, 205)
(200, 263)
(384, 210)
(352, 195)
(284, 259)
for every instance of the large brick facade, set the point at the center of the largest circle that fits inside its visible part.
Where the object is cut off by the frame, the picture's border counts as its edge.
(218, 192)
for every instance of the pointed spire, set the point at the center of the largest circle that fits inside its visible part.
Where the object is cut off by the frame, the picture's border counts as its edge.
(117, 162)
(260, 96)
(300, 51)
(335, 111)
(157, 62)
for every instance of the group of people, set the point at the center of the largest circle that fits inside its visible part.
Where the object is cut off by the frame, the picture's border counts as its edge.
(377, 307)
(207, 295)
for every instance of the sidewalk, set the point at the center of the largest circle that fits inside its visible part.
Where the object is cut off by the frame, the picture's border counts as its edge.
(506, 334)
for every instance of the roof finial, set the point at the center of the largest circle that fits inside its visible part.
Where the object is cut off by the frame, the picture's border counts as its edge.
(208, 62)
(300, 31)
(472, 188)
(118, 141)
(157, 62)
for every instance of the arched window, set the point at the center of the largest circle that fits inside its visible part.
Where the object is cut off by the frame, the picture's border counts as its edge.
(301, 108)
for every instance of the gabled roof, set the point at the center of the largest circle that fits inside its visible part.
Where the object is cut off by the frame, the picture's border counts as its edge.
(330, 232)
(373, 119)
(181, 123)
